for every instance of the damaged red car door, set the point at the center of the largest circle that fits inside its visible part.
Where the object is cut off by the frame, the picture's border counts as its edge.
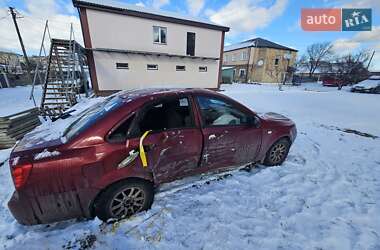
(174, 143)
(232, 136)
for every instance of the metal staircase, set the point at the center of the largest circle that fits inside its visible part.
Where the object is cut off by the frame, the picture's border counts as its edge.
(64, 77)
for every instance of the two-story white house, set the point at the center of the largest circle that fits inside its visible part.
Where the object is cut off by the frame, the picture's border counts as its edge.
(131, 47)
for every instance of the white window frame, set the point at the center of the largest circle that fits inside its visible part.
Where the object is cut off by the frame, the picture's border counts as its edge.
(152, 67)
(244, 56)
(202, 68)
(120, 65)
(159, 35)
(179, 68)
(242, 70)
(233, 58)
(277, 58)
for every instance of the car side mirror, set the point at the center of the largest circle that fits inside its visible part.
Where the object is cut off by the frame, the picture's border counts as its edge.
(254, 121)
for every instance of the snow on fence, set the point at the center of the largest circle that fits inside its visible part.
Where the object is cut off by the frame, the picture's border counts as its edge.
(14, 127)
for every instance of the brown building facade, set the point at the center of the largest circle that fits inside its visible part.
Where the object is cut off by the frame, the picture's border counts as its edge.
(259, 60)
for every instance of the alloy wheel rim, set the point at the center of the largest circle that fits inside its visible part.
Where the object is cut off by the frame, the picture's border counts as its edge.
(277, 153)
(127, 202)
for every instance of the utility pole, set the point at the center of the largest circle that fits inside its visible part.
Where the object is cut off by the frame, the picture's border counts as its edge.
(14, 17)
(370, 60)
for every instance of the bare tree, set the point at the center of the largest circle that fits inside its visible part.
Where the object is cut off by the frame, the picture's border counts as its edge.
(278, 72)
(350, 69)
(315, 54)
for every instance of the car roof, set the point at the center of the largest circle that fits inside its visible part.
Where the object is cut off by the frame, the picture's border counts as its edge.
(132, 95)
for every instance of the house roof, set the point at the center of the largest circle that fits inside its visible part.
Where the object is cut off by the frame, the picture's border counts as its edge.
(137, 11)
(258, 43)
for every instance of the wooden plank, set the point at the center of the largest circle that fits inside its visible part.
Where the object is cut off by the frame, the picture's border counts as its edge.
(22, 131)
(34, 123)
(20, 113)
(9, 140)
(4, 125)
(22, 120)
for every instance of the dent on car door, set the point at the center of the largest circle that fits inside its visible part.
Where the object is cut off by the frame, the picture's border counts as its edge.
(230, 139)
(174, 143)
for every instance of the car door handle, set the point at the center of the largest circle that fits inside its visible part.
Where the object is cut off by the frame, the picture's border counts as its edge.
(133, 154)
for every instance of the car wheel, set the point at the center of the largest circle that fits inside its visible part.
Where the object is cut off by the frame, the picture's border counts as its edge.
(277, 153)
(124, 199)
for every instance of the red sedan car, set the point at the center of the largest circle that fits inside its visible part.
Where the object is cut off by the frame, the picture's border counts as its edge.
(110, 159)
(332, 82)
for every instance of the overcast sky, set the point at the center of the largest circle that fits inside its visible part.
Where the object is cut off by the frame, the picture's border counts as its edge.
(276, 20)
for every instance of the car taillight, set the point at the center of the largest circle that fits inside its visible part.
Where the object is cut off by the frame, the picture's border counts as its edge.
(20, 174)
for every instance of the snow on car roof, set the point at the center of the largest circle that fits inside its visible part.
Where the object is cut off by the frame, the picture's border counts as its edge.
(139, 9)
(369, 83)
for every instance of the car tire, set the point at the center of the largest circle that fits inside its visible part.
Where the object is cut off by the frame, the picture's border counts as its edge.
(277, 153)
(124, 199)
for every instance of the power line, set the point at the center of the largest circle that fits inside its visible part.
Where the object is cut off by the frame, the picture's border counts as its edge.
(41, 19)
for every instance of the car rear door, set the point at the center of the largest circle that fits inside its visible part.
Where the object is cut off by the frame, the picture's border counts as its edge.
(174, 143)
(230, 138)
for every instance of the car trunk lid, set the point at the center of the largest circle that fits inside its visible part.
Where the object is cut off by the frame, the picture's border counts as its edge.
(31, 142)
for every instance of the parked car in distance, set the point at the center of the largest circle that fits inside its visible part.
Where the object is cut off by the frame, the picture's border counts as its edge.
(110, 159)
(371, 85)
(330, 81)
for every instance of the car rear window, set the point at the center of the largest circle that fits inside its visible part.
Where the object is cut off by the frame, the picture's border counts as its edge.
(92, 115)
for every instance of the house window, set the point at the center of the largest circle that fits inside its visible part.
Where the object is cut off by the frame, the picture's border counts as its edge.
(159, 35)
(202, 69)
(122, 66)
(190, 49)
(233, 58)
(152, 66)
(225, 58)
(244, 55)
(242, 73)
(260, 62)
(180, 68)
(276, 61)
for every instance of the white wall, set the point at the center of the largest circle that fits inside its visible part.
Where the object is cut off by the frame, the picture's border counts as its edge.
(115, 31)
(137, 76)
(109, 30)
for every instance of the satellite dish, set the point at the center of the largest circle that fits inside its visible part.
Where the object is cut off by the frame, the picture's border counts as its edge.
(260, 62)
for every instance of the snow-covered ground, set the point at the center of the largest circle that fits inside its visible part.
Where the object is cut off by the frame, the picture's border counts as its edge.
(325, 196)
(14, 100)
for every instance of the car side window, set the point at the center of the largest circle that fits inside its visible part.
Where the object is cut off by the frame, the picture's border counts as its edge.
(167, 114)
(217, 112)
(120, 134)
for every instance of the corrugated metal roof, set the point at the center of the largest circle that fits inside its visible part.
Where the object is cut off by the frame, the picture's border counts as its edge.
(259, 43)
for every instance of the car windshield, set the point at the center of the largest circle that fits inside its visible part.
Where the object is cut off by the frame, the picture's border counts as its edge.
(91, 115)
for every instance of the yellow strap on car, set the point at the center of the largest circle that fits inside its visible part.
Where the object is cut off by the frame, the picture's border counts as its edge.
(142, 151)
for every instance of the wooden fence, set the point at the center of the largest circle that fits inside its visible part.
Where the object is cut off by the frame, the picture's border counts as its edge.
(14, 127)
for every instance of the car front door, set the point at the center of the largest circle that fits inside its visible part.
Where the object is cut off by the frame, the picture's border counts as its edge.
(230, 137)
(173, 145)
